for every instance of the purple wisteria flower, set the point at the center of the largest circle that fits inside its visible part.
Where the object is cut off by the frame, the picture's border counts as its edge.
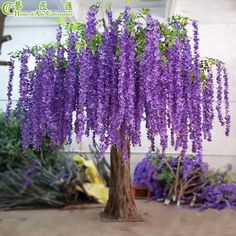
(186, 114)
(208, 110)
(145, 175)
(126, 85)
(24, 80)
(226, 100)
(196, 97)
(91, 22)
(9, 89)
(112, 77)
(219, 92)
(71, 85)
(154, 85)
(219, 196)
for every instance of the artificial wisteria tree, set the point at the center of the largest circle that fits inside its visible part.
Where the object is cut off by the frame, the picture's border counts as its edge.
(114, 74)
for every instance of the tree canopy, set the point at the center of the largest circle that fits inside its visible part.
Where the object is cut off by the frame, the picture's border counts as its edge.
(115, 73)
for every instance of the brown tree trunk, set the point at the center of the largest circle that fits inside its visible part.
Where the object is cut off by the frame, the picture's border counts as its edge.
(121, 204)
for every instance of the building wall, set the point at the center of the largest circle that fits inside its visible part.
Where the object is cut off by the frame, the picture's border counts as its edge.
(24, 31)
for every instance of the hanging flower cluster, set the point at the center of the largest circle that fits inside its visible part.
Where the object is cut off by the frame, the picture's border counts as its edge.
(112, 75)
(9, 89)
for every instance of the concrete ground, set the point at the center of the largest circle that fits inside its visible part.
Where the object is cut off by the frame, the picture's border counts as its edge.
(159, 220)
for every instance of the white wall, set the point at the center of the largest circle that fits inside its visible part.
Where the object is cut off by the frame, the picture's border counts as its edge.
(24, 31)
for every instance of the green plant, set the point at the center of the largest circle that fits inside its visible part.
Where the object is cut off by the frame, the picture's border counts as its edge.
(11, 152)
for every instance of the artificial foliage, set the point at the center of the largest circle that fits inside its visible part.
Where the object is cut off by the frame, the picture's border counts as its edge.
(114, 73)
(185, 181)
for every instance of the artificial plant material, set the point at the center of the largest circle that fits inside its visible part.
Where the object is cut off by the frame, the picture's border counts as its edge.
(113, 74)
(183, 181)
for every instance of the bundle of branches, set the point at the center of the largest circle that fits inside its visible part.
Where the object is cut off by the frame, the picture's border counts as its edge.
(186, 181)
(36, 185)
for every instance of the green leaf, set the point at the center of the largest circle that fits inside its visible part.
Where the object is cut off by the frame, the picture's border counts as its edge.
(128, 3)
(61, 21)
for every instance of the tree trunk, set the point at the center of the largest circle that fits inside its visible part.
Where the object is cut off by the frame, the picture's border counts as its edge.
(121, 204)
